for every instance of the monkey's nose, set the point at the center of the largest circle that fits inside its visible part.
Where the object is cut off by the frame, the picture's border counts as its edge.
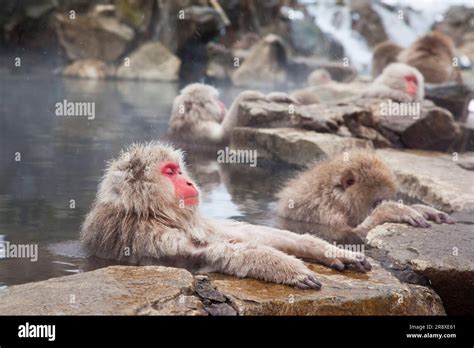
(189, 183)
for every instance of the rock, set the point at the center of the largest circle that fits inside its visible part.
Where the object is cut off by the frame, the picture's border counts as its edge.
(457, 23)
(433, 129)
(467, 161)
(322, 118)
(294, 146)
(156, 290)
(151, 61)
(465, 141)
(306, 38)
(343, 293)
(98, 37)
(432, 178)
(136, 13)
(442, 254)
(265, 65)
(123, 290)
(451, 96)
(89, 69)
(367, 22)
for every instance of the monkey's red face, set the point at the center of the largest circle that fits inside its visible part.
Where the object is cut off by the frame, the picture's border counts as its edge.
(411, 85)
(222, 109)
(183, 187)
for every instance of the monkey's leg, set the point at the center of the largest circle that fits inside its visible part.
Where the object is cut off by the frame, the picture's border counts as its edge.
(259, 262)
(303, 246)
(390, 211)
(433, 214)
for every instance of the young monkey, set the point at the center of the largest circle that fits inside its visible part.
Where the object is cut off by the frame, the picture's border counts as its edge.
(351, 194)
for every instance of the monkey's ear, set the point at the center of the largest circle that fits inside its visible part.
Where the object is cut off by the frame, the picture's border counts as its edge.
(348, 179)
(136, 168)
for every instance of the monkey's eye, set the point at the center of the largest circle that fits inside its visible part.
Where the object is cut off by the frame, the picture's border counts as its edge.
(169, 171)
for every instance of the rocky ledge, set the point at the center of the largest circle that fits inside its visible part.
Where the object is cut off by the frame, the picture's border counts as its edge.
(441, 255)
(156, 290)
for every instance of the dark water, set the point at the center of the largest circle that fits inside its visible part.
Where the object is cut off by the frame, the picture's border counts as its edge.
(62, 159)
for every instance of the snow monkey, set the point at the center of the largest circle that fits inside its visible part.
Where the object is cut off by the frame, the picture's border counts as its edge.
(147, 209)
(399, 82)
(351, 194)
(432, 54)
(198, 116)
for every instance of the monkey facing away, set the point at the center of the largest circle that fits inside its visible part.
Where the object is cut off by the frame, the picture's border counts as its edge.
(147, 209)
(399, 82)
(432, 54)
(351, 194)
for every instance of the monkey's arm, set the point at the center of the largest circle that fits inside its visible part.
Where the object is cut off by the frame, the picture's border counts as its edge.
(231, 119)
(237, 258)
(304, 246)
(390, 211)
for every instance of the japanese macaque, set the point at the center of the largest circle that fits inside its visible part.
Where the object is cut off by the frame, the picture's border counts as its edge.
(399, 82)
(432, 54)
(384, 54)
(319, 77)
(197, 114)
(351, 194)
(146, 210)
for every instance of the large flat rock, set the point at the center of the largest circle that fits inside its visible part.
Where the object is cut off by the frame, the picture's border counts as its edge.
(442, 254)
(156, 290)
(116, 290)
(295, 146)
(347, 293)
(436, 179)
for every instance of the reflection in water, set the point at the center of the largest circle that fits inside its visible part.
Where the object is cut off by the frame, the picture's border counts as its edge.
(51, 166)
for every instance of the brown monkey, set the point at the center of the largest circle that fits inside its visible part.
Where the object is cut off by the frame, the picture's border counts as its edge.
(399, 82)
(384, 53)
(351, 194)
(432, 54)
(197, 114)
(147, 209)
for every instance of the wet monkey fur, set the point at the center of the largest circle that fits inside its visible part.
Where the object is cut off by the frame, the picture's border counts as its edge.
(351, 193)
(148, 205)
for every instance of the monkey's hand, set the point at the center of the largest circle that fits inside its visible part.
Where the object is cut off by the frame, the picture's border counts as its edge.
(332, 256)
(433, 214)
(390, 211)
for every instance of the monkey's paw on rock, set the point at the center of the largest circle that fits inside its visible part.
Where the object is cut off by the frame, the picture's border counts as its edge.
(156, 290)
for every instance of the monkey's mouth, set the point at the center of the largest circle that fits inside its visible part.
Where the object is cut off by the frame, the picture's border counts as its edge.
(191, 200)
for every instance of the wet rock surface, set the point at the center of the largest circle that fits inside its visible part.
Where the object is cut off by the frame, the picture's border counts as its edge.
(346, 293)
(433, 178)
(155, 290)
(117, 290)
(96, 37)
(294, 146)
(152, 61)
(442, 255)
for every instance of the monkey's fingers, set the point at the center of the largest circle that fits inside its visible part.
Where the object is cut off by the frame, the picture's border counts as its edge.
(308, 283)
(446, 218)
(417, 221)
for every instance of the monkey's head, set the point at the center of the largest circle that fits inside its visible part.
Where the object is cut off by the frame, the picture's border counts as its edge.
(365, 181)
(203, 97)
(404, 78)
(149, 180)
(319, 77)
